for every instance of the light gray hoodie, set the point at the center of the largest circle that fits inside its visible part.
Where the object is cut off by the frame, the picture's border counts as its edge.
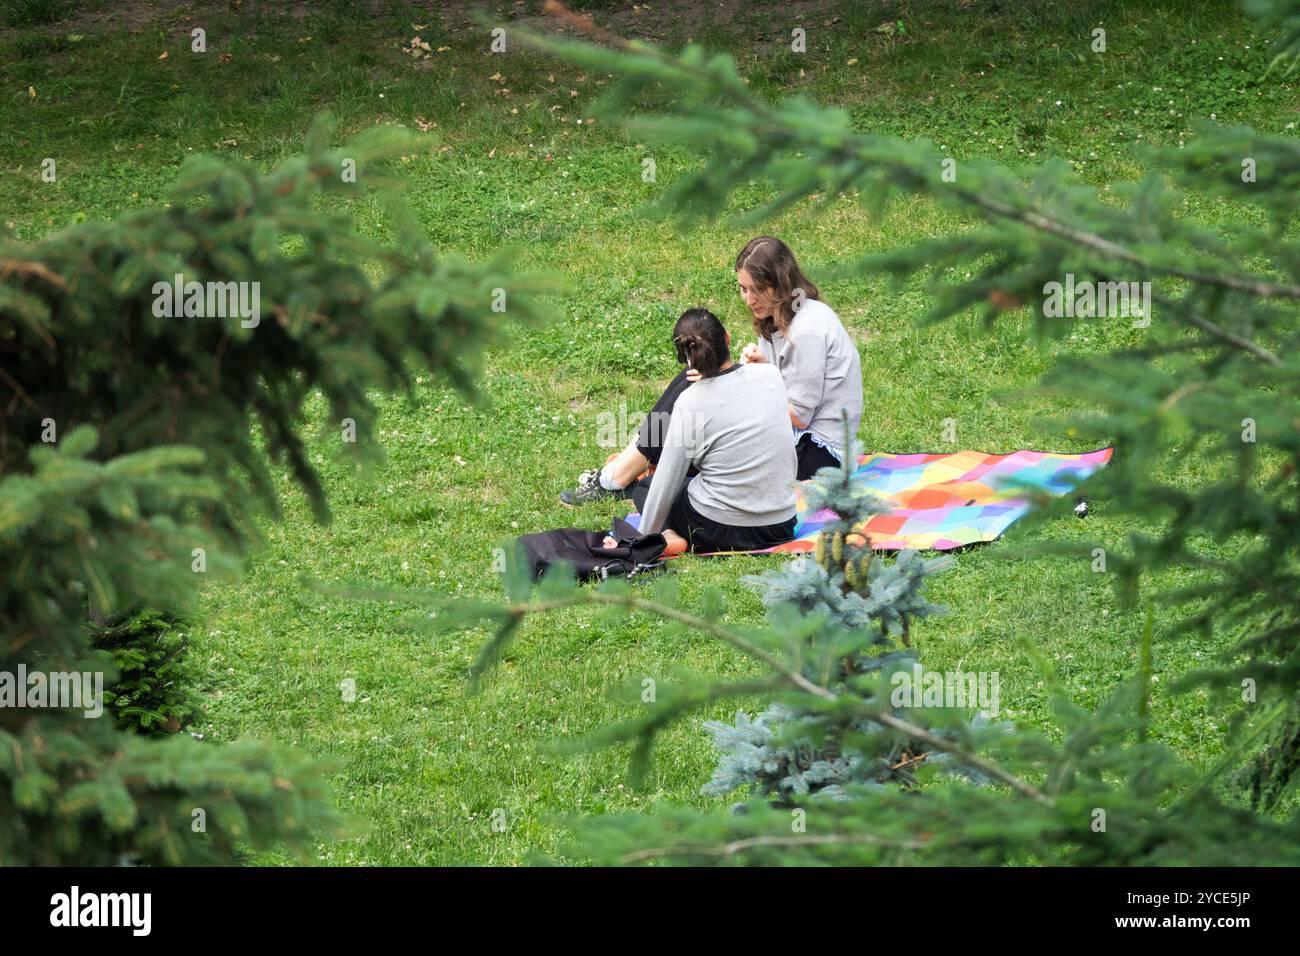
(735, 428)
(822, 371)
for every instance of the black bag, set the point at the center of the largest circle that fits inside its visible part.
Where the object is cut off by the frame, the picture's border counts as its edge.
(634, 553)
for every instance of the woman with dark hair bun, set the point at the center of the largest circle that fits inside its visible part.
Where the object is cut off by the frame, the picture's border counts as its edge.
(732, 426)
(701, 342)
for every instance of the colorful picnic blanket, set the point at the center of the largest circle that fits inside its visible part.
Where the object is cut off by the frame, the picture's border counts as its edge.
(948, 501)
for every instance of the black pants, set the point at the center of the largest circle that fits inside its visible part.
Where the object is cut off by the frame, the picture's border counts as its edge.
(812, 456)
(705, 534)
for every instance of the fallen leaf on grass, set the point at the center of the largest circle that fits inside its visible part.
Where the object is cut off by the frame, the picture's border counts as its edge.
(1005, 300)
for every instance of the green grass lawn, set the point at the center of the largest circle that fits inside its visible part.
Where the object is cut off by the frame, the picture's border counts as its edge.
(418, 759)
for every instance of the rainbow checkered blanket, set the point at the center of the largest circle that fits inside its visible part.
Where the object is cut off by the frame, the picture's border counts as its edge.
(948, 501)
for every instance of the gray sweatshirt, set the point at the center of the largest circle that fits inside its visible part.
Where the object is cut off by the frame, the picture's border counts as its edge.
(735, 428)
(821, 369)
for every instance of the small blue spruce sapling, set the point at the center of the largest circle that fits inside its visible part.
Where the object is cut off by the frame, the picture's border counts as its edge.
(852, 605)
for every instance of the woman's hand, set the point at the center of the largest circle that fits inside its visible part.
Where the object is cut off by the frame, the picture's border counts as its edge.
(693, 375)
(609, 542)
(752, 353)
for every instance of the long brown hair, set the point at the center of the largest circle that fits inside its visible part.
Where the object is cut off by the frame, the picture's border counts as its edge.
(701, 341)
(772, 265)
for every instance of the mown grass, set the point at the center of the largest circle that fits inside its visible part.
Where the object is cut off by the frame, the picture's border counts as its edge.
(421, 760)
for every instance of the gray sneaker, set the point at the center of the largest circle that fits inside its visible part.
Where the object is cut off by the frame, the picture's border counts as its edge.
(589, 489)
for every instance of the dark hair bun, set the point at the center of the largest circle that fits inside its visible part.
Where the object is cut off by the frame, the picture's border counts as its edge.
(701, 341)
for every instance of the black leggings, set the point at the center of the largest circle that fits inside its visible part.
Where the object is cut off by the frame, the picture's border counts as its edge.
(812, 456)
(705, 534)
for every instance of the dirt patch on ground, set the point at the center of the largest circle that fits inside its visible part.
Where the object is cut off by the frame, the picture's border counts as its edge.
(90, 18)
(658, 22)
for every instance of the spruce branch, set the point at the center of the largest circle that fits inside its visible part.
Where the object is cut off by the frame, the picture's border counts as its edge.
(850, 704)
(1180, 310)
(1251, 285)
(870, 157)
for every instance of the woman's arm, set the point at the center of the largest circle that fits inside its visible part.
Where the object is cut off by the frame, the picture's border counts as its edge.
(804, 374)
(670, 473)
(765, 351)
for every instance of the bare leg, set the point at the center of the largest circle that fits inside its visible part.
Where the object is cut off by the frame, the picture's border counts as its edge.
(627, 465)
(675, 543)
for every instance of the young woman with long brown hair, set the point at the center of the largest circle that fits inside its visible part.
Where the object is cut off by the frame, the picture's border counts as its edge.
(805, 340)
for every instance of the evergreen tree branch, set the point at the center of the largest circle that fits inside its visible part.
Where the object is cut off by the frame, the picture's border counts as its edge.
(1180, 310)
(793, 677)
(1251, 285)
(869, 157)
